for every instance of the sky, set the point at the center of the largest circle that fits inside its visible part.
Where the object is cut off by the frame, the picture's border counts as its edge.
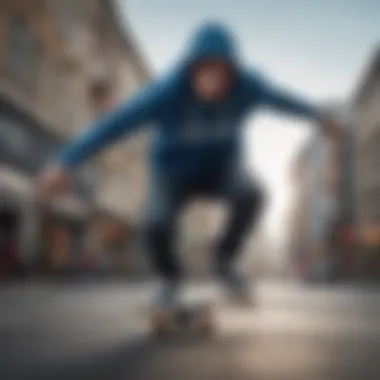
(317, 48)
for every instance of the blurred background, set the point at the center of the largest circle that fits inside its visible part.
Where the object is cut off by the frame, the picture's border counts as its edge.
(65, 62)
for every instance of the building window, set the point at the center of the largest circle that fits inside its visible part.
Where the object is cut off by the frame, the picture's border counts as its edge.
(67, 16)
(24, 54)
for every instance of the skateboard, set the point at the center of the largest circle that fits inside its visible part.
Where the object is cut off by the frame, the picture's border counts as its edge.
(196, 318)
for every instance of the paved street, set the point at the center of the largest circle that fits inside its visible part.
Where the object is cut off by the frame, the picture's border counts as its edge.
(98, 331)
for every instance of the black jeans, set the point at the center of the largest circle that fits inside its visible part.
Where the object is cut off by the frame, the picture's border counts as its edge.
(167, 199)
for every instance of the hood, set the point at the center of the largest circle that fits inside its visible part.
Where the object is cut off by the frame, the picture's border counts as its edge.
(212, 40)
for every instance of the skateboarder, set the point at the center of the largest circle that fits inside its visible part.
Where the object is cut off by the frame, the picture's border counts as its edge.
(198, 109)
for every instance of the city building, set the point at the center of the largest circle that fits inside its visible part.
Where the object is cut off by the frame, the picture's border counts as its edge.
(366, 119)
(344, 237)
(297, 217)
(312, 251)
(62, 62)
(323, 224)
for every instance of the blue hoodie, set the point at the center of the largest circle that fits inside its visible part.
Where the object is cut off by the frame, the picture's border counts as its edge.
(190, 137)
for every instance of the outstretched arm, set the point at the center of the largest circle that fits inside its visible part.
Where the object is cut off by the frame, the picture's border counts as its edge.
(286, 102)
(276, 98)
(142, 108)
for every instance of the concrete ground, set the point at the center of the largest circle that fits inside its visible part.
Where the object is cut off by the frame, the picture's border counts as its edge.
(58, 330)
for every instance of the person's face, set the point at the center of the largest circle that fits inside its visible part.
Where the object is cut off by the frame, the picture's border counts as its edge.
(211, 80)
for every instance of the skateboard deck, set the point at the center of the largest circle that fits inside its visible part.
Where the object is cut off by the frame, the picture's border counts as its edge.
(190, 318)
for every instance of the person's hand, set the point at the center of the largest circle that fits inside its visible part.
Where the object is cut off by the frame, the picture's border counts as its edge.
(53, 181)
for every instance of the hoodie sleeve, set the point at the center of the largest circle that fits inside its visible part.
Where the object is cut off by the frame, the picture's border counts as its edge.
(141, 108)
(283, 101)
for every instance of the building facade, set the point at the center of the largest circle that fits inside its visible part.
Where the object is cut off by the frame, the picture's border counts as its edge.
(344, 236)
(298, 217)
(366, 118)
(323, 227)
(62, 63)
(319, 206)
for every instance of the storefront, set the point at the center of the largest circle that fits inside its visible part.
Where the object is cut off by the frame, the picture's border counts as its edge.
(64, 226)
(109, 249)
(368, 261)
(45, 236)
(14, 222)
